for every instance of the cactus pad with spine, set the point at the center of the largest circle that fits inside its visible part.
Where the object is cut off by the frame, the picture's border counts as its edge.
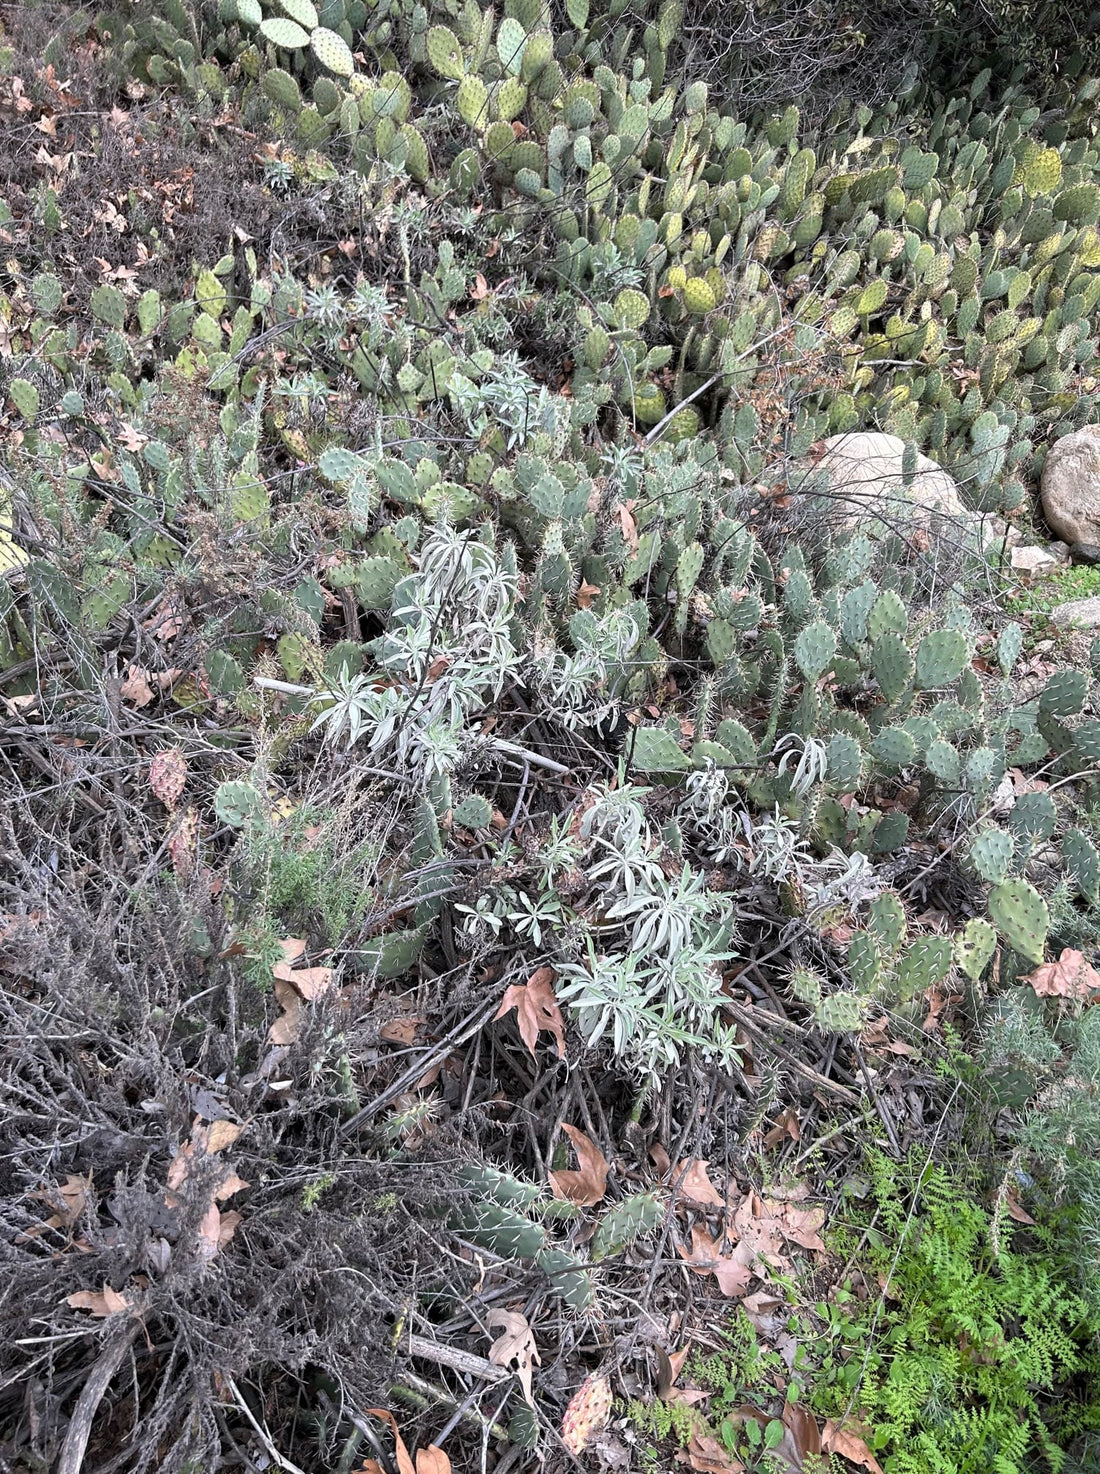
(625, 1223)
(283, 33)
(974, 947)
(445, 54)
(1020, 914)
(235, 803)
(699, 298)
(942, 656)
(332, 52)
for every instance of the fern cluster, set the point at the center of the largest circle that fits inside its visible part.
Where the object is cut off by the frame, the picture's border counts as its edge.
(966, 1360)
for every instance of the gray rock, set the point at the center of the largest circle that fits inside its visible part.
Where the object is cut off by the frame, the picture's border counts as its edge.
(1084, 613)
(1087, 553)
(865, 475)
(1070, 486)
(1035, 562)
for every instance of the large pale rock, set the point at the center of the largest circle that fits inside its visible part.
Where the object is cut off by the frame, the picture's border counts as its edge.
(1082, 613)
(1071, 486)
(865, 475)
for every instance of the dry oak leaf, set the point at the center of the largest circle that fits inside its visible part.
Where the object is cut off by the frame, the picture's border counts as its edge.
(732, 1270)
(799, 1225)
(690, 1176)
(759, 1230)
(587, 1186)
(139, 683)
(843, 1439)
(586, 593)
(625, 513)
(514, 1347)
(100, 1303)
(536, 1008)
(1072, 976)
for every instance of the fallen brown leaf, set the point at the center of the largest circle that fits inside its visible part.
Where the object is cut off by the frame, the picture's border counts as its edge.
(536, 1009)
(845, 1440)
(405, 1464)
(707, 1456)
(400, 1030)
(138, 687)
(432, 1460)
(587, 1186)
(625, 513)
(101, 1303)
(732, 1270)
(1072, 976)
(694, 1184)
(68, 1200)
(514, 1347)
(586, 593)
(799, 1225)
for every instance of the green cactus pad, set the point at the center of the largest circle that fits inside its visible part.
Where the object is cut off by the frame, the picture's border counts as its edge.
(24, 396)
(1064, 693)
(893, 747)
(1020, 914)
(332, 52)
(989, 854)
(892, 665)
(283, 33)
(474, 812)
(280, 88)
(625, 1223)
(840, 1013)
(302, 11)
(445, 53)
(974, 947)
(865, 961)
(814, 649)
(924, 964)
(653, 750)
(235, 803)
(1082, 863)
(886, 922)
(942, 656)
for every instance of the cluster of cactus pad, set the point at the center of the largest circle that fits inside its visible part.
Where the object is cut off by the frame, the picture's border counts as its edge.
(936, 275)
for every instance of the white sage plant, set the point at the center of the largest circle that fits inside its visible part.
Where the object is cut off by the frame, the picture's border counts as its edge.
(446, 652)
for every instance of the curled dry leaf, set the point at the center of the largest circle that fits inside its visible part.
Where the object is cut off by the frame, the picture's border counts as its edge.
(846, 1440)
(515, 1347)
(68, 1200)
(430, 1460)
(1072, 976)
(292, 985)
(586, 1187)
(536, 1009)
(669, 1366)
(798, 1225)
